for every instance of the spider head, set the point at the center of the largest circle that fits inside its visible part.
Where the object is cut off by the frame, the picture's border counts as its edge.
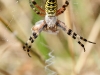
(51, 7)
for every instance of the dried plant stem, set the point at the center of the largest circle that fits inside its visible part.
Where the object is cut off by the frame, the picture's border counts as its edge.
(69, 25)
(83, 57)
(4, 72)
(5, 23)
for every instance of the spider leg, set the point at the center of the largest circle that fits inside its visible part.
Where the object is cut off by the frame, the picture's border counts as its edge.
(86, 40)
(62, 9)
(35, 32)
(73, 34)
(32, 4)
(28, 44)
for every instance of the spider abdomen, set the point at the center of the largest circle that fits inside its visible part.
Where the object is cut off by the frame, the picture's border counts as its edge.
(51, 7)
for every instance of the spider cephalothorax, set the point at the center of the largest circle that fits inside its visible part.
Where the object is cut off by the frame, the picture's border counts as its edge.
(50, 23)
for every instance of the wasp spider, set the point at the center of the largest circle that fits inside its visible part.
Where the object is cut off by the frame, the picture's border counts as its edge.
(50, 23)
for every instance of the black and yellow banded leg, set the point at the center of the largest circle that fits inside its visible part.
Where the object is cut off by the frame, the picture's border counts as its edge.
(86, 40)
(41, 12)
(28, 44)
(73, 34)
(78, 38)
(62, 9)
(34, 3)
(35, 32)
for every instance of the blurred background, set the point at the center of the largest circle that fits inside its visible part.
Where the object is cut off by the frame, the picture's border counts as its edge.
(69, 58)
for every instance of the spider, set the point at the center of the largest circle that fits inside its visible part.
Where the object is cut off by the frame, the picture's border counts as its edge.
(50, 23)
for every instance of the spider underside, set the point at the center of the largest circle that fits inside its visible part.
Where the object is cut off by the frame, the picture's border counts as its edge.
(50, 23)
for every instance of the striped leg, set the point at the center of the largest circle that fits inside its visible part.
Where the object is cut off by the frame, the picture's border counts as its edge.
(35, 32)
(62, 9)
(73, 34)
(28, 44)
(32, 4)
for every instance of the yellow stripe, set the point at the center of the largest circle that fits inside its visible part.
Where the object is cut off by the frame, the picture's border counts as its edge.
(51, 7)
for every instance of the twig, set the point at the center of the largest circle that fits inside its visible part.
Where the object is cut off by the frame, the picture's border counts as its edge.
(5, 23)
(68, 23)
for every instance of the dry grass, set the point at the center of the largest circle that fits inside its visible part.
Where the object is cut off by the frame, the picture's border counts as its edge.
(16, 20)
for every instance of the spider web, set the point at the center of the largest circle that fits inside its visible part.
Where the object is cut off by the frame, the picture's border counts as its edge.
(9, 23)
(49, 61)
(14, 33)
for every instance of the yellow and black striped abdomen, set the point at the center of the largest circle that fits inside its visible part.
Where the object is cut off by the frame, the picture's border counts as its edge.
(51, 7)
